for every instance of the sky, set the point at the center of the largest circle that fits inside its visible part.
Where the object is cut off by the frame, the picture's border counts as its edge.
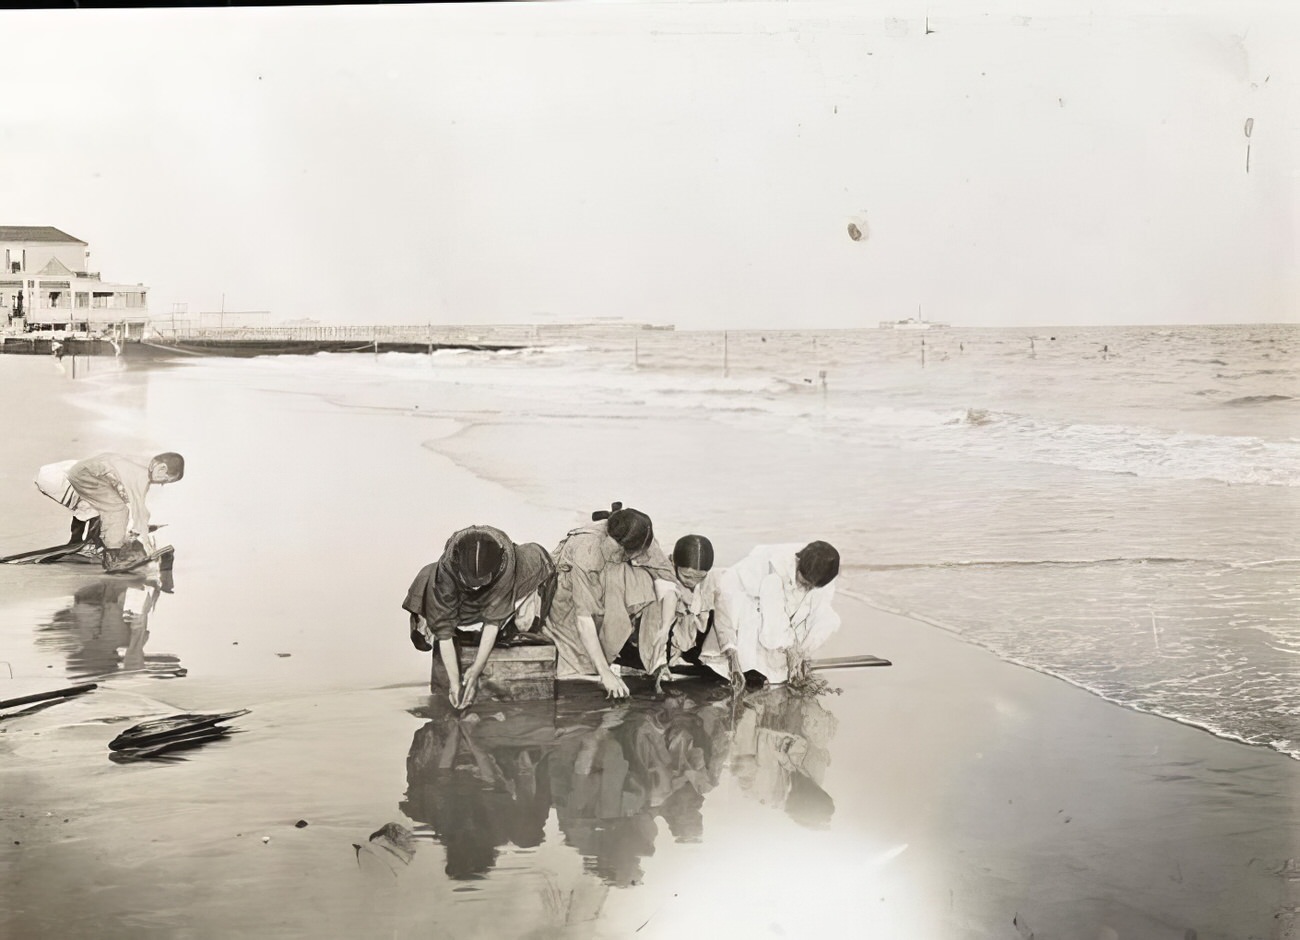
(695, 163)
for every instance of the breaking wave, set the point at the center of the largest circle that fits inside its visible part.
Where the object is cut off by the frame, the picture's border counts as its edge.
(1257, 399)
(1138, 451)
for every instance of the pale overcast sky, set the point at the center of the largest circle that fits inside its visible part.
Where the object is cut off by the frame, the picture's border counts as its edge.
(688, 162)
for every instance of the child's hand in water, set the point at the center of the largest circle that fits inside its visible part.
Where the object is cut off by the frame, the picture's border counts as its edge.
(797, 665)
(469, 689)
(614, 686)
(737, 674)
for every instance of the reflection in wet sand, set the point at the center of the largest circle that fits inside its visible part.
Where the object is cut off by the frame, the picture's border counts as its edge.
(780, 752)
(488, 780)
(105, 626)
(481, 784)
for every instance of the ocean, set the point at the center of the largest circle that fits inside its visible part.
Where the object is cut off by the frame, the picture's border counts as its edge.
(1116, 507)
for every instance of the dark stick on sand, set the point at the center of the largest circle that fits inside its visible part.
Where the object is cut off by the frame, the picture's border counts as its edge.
(46, 696)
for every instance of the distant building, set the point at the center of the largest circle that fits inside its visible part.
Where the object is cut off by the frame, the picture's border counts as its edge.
(45, 281)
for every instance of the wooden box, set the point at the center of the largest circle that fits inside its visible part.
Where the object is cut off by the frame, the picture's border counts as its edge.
(512, 674)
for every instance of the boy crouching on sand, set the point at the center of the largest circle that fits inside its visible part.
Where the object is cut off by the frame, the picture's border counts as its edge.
(106, 495)
(481, 578)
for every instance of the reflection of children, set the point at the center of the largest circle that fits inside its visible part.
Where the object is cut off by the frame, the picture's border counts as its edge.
(111, 620)
(458, 792)
(774, 608)
(610, 784)
(780, 754)
(113, 488)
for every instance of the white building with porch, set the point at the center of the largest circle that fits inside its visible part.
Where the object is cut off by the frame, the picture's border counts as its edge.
(45, 285)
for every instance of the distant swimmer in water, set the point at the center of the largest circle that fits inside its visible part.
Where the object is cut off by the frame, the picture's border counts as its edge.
(774, 608)
(482, 579)
(613, 599)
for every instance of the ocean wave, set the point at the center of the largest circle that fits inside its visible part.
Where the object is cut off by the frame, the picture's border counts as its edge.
(854, 413)
(977, 417)
(1258, 399)
(1124, 449)
(1032, 563)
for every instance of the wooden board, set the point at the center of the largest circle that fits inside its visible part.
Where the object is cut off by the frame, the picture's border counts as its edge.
(14, 692)
(55, 552)
(512, 673)
(43, 555)
(849, 662)
(68, 552)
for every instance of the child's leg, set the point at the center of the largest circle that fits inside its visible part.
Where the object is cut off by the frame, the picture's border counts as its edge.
(114, 513)
(113, 526)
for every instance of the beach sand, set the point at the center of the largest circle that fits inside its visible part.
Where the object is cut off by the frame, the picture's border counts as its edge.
(972, 797)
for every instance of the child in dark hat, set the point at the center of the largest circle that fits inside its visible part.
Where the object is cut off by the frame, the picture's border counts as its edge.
(484, 579)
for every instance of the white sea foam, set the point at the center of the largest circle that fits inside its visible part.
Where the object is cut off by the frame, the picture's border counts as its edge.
(855, 411)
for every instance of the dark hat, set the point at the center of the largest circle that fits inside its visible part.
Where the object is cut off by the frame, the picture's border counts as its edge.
(818, 562)
(693, 551)
(477, 559)
(631, 529)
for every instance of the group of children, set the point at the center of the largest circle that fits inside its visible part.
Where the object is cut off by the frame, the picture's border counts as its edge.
(608, 597)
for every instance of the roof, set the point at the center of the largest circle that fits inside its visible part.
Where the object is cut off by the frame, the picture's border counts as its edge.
(36, 233)
(56, 268)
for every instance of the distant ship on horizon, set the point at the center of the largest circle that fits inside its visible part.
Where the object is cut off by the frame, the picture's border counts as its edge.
(913, 323)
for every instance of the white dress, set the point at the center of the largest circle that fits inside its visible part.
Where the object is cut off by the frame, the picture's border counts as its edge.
(761, 611)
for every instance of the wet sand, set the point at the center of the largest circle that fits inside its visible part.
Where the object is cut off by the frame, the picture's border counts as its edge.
(964, 792)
